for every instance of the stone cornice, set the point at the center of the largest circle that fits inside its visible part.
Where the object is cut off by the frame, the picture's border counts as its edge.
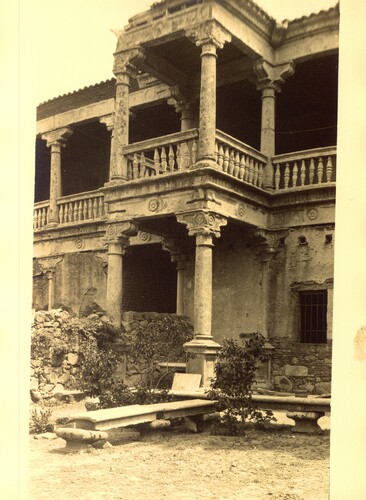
(202, 222)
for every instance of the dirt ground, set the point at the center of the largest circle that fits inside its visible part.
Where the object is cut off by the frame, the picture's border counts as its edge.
(175, 464)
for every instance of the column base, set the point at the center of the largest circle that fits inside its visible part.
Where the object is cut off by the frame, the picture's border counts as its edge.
(203, 352)
(206, 163)
(306, 422)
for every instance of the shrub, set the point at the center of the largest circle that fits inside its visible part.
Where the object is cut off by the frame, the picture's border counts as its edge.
(40, 420)
(235, 373)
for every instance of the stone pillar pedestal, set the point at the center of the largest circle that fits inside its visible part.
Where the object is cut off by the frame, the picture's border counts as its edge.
(55, 140)
(202, 349)
(306, 422)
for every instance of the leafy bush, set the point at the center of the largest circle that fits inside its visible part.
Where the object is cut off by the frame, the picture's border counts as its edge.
(40, 420)
(235, 373)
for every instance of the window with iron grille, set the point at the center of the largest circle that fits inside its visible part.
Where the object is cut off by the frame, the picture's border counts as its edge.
(313, 316)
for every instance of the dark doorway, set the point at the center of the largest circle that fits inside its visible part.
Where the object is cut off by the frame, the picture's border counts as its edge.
(149, 280)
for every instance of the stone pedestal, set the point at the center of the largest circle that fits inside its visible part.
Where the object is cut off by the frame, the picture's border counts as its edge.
(202, 358)
(306, 422)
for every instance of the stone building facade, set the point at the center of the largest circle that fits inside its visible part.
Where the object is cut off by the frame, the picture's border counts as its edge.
(200, 181)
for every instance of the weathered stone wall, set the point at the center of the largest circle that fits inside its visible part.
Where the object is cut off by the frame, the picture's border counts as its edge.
(301, 367)
(52, 373)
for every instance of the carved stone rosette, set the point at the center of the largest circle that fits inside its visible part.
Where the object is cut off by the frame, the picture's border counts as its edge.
(202, 222)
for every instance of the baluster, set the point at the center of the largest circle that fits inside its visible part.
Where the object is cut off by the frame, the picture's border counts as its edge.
(85, 209)
(256, 172)
(135, 167)
(156, 161)
(47, 208)
(226, 160)
(320, 170)
(71, 212)
(80, 210)
(90, 208)
(179, 157)
(295, 172)
(231, 162)
(66, 213)
(129, 169)
(260, 175)
(105, 206)
(286, 177)
(61, 213)
(39, 218)
(194, 151)
(302, 173)
(95, 208)
(251, 171)
(143, 165)
(329, 169)
(216, 152)
(43, 218)
(220, 156)
(247, 167)
(34, 219)
(236, 164)
(187, 155)
(100, 207)
(277, 176)
(171, 158)
(242, 167)
(311, 171)
(163, 160)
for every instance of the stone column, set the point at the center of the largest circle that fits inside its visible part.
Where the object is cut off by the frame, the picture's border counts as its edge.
(177, 256)
(48, 266)
(209, 36)
(204, 225)
(55, 140)
(108, 121)
(124, 68)
(270, 79)
(117, 236)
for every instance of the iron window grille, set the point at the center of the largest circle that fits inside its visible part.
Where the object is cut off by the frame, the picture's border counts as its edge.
(313, 316)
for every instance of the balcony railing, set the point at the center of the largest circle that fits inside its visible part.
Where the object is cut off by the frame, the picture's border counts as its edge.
(162, 155)
(240, 160)
(305, 168)
(77, 208)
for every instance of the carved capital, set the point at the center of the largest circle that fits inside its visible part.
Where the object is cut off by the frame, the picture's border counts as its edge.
(272, 77)
(179, 98)
(175, 249)
(108, 121)
(209, 33)
(120, 232)
(268, 242)
(202, 222)
(48, 264)
(57, 137)
(126, 62)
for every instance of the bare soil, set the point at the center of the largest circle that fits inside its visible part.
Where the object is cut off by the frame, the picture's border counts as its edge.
(175, 464)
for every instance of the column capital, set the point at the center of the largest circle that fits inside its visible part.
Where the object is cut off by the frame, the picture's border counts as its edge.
(125, 64)
(272, 76)
(108, 121)
(267, 243)
(48, 264)
(209, 33)
(57, 137)
(178, 98)
(120, 232)
(202, 223)
(174, 247)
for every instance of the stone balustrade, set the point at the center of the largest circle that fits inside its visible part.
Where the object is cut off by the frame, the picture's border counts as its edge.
(305, 168)
(162, 155)
(87, 206)
(240, 160)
